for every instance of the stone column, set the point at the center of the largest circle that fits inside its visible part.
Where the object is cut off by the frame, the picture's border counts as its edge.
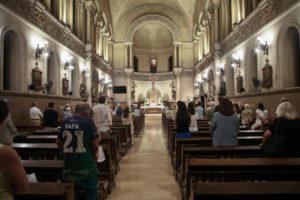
(128, 72)
(78, 22)
(195, 51)
(69, 13)
(88, 7)
(110, 52)
(179, 55)
(130, 56)
(100, 45)
(178, 85)
(216, 31)
(175, 55)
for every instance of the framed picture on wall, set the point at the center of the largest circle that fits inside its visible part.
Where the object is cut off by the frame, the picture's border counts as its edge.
(267, 76)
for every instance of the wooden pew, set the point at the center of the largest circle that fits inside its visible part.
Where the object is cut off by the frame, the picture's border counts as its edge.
(214, 152)
(240, 169)
(44, 191)
(207, 141)
(40, 151)
(205, 133)
(45, 170)
(45, 132)
(40, 139)
(273, 190)
(106, 168)
(123, 132)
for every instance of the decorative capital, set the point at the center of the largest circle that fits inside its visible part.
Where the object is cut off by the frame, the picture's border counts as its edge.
(128, 71)
(178, 71)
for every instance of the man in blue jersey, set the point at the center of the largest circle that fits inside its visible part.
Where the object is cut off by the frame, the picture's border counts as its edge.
(78, 139)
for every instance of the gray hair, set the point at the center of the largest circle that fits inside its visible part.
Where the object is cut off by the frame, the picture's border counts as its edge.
(83, 108)
(287, 110)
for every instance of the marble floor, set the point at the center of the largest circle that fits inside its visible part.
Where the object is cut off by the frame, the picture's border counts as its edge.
(146, 172)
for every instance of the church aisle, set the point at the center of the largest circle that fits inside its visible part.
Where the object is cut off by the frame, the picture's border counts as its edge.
(146, 172)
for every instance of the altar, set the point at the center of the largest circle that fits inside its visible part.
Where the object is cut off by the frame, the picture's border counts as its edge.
(153, 109)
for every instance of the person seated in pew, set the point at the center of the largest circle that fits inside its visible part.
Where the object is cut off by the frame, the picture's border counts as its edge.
(194, 117)
(225, 125)
(283, 138)
(12, 175)
(127, 119)
(182, 121)
(247, 116)
(79, 141)
(8, 131)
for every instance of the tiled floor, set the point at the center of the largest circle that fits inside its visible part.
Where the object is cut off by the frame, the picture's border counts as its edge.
(146, 172)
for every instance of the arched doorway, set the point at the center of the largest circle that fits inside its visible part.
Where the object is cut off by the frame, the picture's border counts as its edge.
(289, 49)
(13, 62)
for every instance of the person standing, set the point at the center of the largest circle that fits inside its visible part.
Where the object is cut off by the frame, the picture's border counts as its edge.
(12, 174)
(79, 141)
(282, 137)
(35, 115)
(199, 110)
(102, 117)
(50, 116)
(225, 125)
(194, 117)
(182, 121)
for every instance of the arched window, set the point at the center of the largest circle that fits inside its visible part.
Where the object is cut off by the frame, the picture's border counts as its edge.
(153, 63)
(135, 64)
(290, 51)
(170, 63)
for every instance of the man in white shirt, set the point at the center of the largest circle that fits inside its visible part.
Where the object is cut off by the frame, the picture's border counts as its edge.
(35, 114)
(199, 110)
(102, 116)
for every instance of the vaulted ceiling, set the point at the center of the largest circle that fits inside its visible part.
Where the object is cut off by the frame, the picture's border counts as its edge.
(152, 34)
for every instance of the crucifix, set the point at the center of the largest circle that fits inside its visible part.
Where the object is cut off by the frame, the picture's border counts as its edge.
(152, 78)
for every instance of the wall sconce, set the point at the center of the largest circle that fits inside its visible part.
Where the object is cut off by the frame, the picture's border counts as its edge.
(263, 44)
(41, 50)
(236, 60)
(69, 64)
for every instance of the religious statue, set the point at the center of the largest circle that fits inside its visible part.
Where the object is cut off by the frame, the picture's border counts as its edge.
(211, 84)
(36, 75)
(222, 92)
(267, 75)
(65, 85)
(239, 83)
(94, 88)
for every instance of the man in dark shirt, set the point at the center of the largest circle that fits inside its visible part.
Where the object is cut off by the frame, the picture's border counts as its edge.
(50, 116)
(78, 139)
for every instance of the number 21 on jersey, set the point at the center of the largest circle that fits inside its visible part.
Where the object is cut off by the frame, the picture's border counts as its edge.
(70, 142)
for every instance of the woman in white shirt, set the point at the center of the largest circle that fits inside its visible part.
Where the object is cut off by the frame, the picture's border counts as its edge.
(194, 117)
(261, 116)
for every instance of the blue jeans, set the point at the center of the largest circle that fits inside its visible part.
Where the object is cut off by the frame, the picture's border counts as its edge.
(89, 185)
